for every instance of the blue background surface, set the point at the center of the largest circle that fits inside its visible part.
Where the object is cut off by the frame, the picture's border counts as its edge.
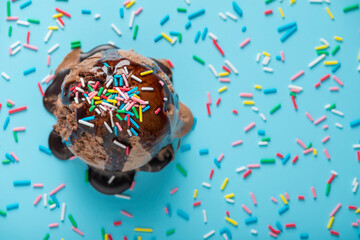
(92, 210)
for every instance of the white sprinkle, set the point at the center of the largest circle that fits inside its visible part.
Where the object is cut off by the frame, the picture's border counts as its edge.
(337, 112)
(108, 127)
(338, 125)
(119, 144)
(327, 106)
(111, 179)
(205, 217)
(258, 57)
(4, 75)
(63, 212)
(253, 231)
(213, 70)
(213, 36)
(136, 78)
(109, 82)
(131, 23)
(324, 41)
(76, 100)
(267, 69)
(229, 200)
(52, 206)
(165, 99)
(266, 60)
(109, 105)
(45, 78)
(231, 66)
(263, 143)
(82, 82)
(327, 1)
(207, 185)
(97, 16)
(255, 109)
(209, 234)
(86, 123)
(354, 181)
(187, 2)
(222, 16)
(123, 196)
(317, 60)
(358, 68)
(115, 29)
(296, 87)
(355, 188)
(333, 172)
(263, 117)
(16, 50)
(129, 132)
(174, 40)
(23, 23)
(60, 24)
(53, 48)
(45, 199)
(126, 70)
(15, 44)
(111, 43)
(79, 89)
(111, 119)
(147, 89)
(315, 1)
(97, 111)
(48, 35)
(241, 169)
(232, 16)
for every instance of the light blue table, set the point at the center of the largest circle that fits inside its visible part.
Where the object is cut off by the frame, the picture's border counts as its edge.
(92, 210)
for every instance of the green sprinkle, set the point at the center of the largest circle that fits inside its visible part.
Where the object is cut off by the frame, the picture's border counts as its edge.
(91, 89)
(181, 169)
(46, 236)
(92, 101)
(118, 116)
(75, 42)
(321, 52)
(266, 139)
(309, 145)
(7, 161)
(2, 213)
(180, 37)
(121, 111)
(277, 107)
(332, 106)
(8, 9)
(292, 94)
(35, 21)
(135, 31)
(72, 220)
(351, 7)
(103, 233)
(327, 191)
(10, 31)
(9, 105)
(199, 60)
(170, 231)
(92, 108)
(107, 94)
(267, 160)
(336, 49)
(87, 176)
(51, 202)
(268, 1)
(100, 91)
(15, 136)
(182, 10)
(135, 112)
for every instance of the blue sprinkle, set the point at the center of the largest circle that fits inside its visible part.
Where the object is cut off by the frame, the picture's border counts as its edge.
(106, 64)
(10, 157)
(286, 159)
(288, 34)
(279, 226)
(88, 118)
(286, 26)
(188, 25)
(204, 151)
(185, 147)
(115, 130)
(183, 214)
(173, 33)
(121, 11)
(251, 220)
(6, 123)
(130, 113)
(204, 33)
(156, 39)
(243, 29)
(164, 19)
(283, 209)
(261, 132)
(146, 108)
(168, 206)
(278, 58)
(194, 123)
(135, 124)
(132, 90)
(25, 4)
(226, 231)
(237, 9)
(85, 11)
(21, 183)
(197, 37)
(217, 163)
(12, 206)
(134, 132)
(54, 198)
(355, 123)
(45, 149)
(335, 68)
(304, 235)
(28, 71)
(270, 90)
(196, 14)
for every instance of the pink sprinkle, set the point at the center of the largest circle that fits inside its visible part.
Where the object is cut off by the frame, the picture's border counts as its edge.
(61, 186)
(30, 47)
(78, 231)
(157, 111)
(118, 126)
(161, 83)
(37, 200)
(309, 116)
(320, 120)
(209, 97)
(246, 209)
(338, 80)
(126, 2)
(309, 150)
(325, 139)
(358, 221)
(335, 210)
(126, 214)
(49, 79)
(287, 196)
(301, 143)
(38, 185)
(295, 90)
(327, 154)
(317, 84)
(273, 199)
(227, 80)
(237, 143)
(174, 190)
(48, 60)
(246, 95)
(72, 158)
(53, 225)
(245, 42)
(313, 192)
(272, 234)
(12, 18)
(253, 198)
(220, 157)
(19, 129)
(132, 186)
(249, 127)
(282, 56)
(166, 210)
(296, 76)
(10, 51)
(334, 89)
(254, 166)
(354, 224)
(138, 11)
(10, 101)
(325, 126)
(14, 156)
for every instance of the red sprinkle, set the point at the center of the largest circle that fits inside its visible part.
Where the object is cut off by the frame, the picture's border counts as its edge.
(334, 233)
(317, 84)
(61, 21)
(357, 153)
(235, 112)
(170, 63)
(17, 110)
(331, 178)
(28, 37)
(195, 204)
(295, 159)
(280, 155)
(294, 102)
(157, 111)
(40, 88)
(218, 47)
(208, 108)
(211, 173)
(174, 190)
(117, 223)
(325, 77)
(273, 230)
(300, 197)
(267, 12)
(290, 225)
(352, 207)
(226, 69)
(63, 12)
(227, 213)
(247, 173)
(218, 102)
(110, 237)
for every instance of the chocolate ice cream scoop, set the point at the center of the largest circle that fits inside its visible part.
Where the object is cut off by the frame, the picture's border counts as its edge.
(118, 112)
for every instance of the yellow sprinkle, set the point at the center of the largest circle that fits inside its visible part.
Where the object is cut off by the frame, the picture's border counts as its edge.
(266, 54)
(106, 237)
(330, 222)
(143, 229)
(321, 47)
(130, 4)
(111, 101)
(338, 38)
(329, 63)
(53, 28)
(111, 91)
(57, 15)
(359, 56)
(146, 72)
(195, 193)
(292, 2)
(223, 74)
(136, 96)
(231, 195)
(139, 237)
(96, 98)
(232, 221)
(283, 199)
(166, 37)
(97, 102)
(224, 183)
(281, 12)
(140, 113)
(330, 14)
(315, 152)
(220, 90)
(258, 87)
(248, 102)
(357, 210)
